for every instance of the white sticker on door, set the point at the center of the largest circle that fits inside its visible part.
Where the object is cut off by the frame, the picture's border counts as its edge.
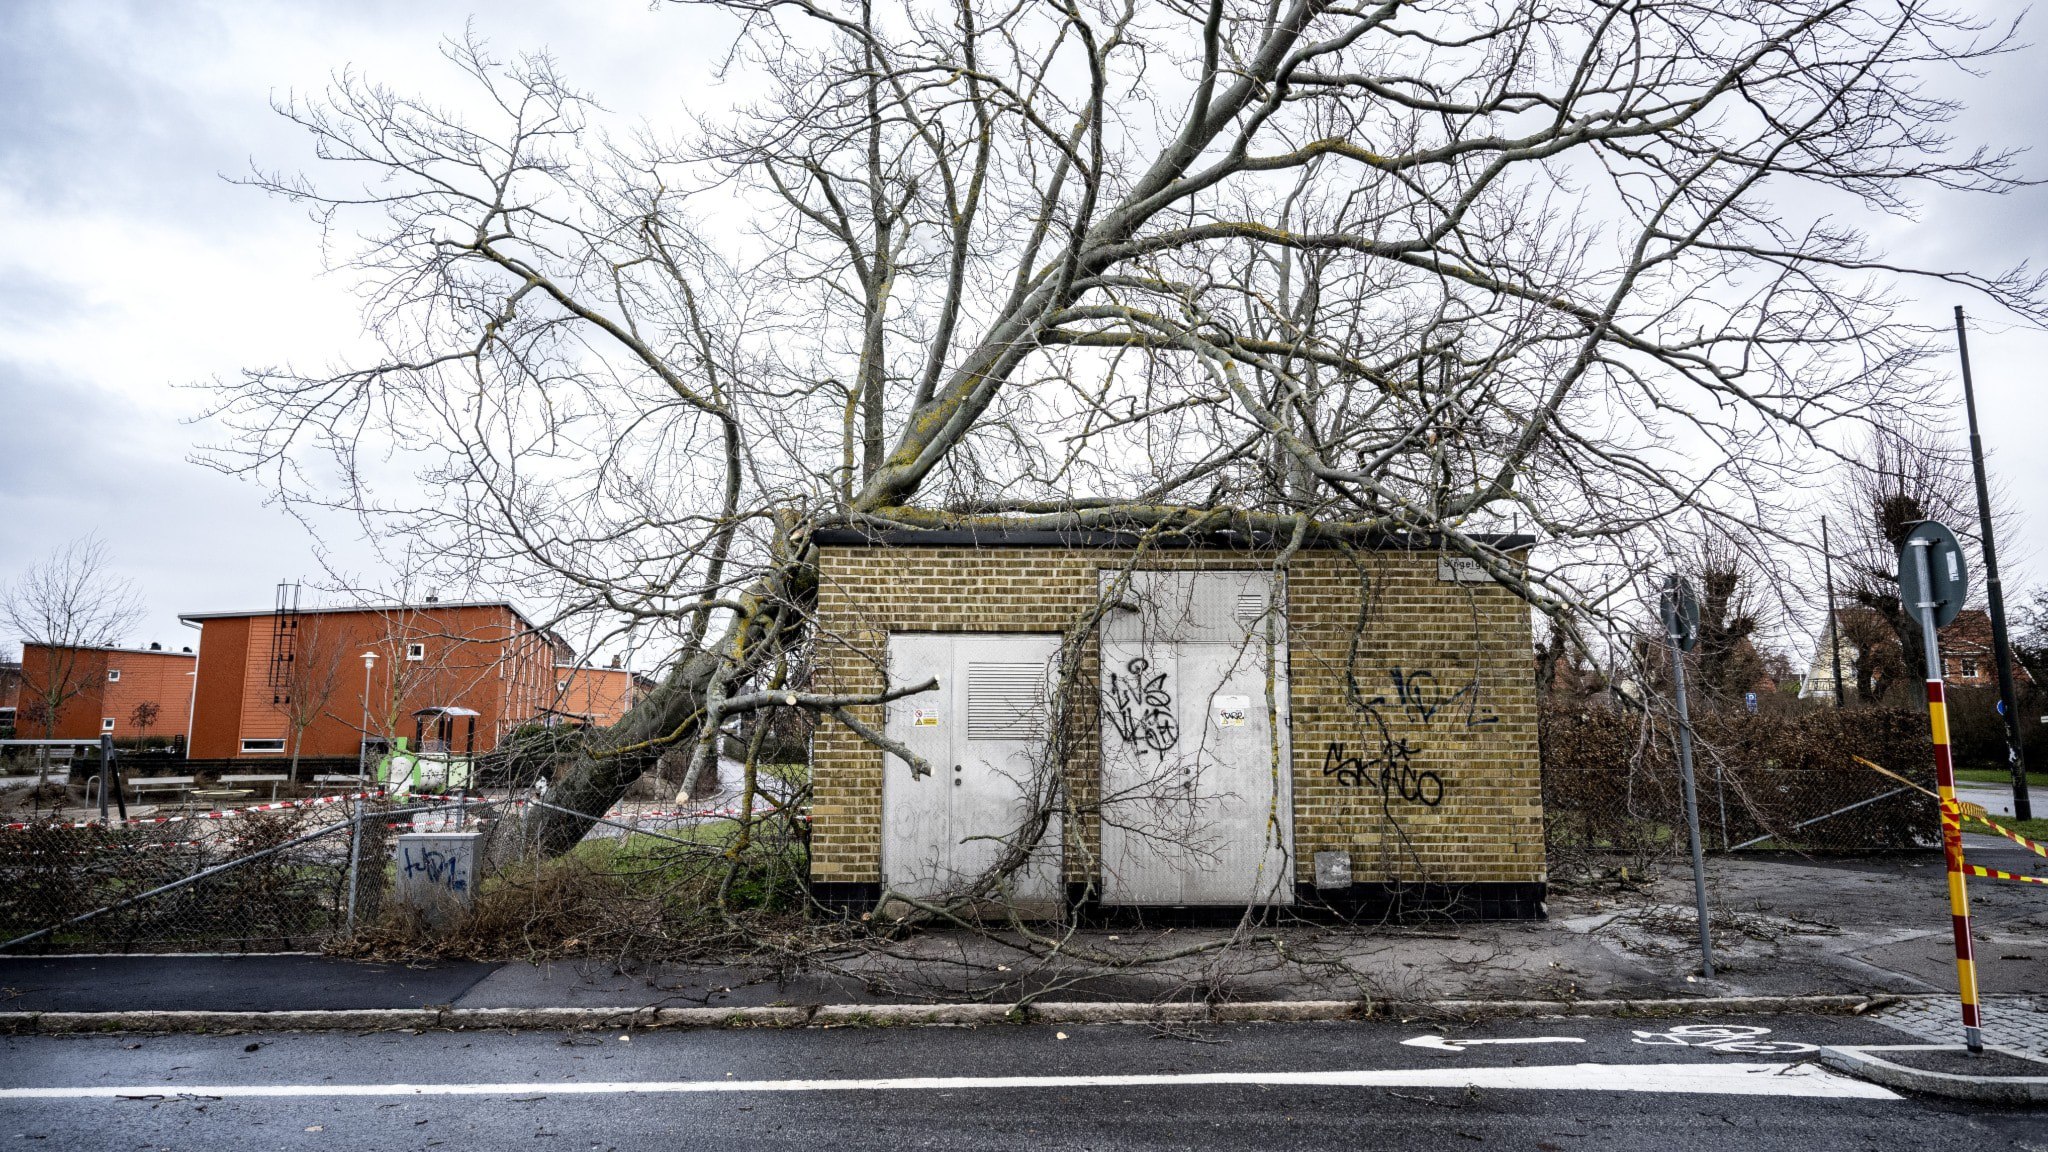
(1230, 711)
(924, 718)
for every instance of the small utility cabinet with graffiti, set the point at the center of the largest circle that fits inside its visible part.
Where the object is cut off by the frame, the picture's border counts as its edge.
(436, 872)
(1202, 723)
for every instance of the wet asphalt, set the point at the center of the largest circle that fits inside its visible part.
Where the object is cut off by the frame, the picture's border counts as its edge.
(158, 1069)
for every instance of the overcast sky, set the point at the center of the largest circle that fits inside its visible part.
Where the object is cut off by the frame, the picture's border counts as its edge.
(130, 269)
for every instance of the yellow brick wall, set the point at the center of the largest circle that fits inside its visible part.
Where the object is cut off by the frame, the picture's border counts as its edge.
(1462, 733)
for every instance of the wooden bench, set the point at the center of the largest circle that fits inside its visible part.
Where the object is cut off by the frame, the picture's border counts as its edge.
(339, 779)
(241, 781)
(137, 785)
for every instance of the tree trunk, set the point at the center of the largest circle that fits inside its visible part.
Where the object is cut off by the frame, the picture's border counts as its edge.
(671, 716)
(705, 786)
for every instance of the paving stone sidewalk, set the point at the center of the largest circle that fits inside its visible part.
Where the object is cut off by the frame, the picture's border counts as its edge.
(2014, 1023)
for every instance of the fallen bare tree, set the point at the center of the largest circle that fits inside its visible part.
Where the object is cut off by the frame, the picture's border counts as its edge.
(1304, 270)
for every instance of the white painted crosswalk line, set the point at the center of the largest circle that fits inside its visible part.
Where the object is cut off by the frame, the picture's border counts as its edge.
(1705, 1078)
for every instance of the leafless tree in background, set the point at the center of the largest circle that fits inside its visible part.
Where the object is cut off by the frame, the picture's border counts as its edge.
(1301, 271)
(1905, 476)
(142, 718)
(68, 603)
(1728, 658)
(308, 692)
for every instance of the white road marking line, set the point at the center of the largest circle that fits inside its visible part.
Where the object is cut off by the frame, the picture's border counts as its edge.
(1442, 1044)
(1710, 1079)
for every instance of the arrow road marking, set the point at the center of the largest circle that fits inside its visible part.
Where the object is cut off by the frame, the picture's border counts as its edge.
(1717, 1079)
(1441, 1044)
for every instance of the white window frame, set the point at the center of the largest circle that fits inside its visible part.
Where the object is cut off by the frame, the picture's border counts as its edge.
(106, 723)
(113, 675)
(416, 651)
(262, 743)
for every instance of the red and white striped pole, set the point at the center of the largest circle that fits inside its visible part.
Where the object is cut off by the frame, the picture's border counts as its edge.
(1951, 815)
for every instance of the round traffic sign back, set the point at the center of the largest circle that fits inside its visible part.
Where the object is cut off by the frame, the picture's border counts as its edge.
(1680, 610)
(1948, 582)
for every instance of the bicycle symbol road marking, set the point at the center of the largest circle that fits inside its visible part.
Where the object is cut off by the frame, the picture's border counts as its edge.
(1742, 1038)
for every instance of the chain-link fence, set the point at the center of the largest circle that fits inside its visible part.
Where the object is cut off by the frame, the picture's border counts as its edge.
(282, 878)
(264, 882)
(340, 872)
(1611, 782)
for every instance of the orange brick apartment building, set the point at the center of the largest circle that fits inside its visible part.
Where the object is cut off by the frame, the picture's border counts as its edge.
(269, 679)
(104, 691)
(597, 697)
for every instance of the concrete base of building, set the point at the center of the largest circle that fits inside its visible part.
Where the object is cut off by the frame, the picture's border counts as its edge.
(1358, 903)
(1373, 902)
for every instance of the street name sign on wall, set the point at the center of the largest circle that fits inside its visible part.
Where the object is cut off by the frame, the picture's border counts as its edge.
(1460, 570)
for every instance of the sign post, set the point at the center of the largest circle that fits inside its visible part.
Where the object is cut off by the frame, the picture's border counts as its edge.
(1681, 612)
(110, 777)
(1932, 584)
(106, 774)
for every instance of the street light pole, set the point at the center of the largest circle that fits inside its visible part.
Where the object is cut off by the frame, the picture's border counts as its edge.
(1827, 553)
(363, 744)
(1994, 592)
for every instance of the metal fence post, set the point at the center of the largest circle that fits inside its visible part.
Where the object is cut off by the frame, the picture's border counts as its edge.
(355, 862)
(1721, 789)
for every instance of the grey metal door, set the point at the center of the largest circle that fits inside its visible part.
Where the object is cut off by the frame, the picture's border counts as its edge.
(983, 732)
(1197, 795)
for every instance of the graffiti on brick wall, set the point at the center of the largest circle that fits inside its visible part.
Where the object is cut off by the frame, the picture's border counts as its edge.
(1391, 771)
(1385, 759)
(1141, 707)
(1422, 698)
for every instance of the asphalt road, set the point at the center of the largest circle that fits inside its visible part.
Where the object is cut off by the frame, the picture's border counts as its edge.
(1588, 1084)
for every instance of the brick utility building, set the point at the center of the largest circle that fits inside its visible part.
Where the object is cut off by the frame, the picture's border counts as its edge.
(265, 677)
(126, 693)
(1354, 731)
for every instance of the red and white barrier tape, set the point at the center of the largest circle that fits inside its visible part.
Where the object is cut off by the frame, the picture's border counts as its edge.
(217, 814)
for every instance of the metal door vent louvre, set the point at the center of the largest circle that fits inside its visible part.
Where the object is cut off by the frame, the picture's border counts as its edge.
(1251, 604)
(1005, 701)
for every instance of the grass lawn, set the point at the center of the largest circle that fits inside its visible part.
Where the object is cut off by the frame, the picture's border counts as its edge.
(2036, 830)
(1999, 776)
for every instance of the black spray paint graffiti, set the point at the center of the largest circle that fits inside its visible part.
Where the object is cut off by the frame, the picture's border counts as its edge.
(1391, 771)
(1140, 707)
(1420, 699)
(1424, 700)
(440, 868)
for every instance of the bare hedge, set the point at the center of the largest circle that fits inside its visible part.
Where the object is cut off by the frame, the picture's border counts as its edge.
(1611, 782)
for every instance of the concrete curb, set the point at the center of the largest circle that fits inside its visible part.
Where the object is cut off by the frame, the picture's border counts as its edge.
(889, 1015)
(1861, 1062)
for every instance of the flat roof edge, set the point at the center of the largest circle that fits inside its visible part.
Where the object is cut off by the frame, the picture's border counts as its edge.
(104, 648)
(1224, 540)
(421, 608)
